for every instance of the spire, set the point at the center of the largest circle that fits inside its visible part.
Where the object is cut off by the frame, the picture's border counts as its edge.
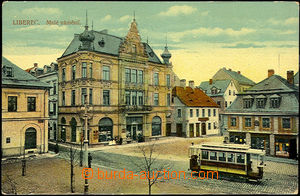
(166, 55)
(92, 25)
(147, 39)
(86, 21)
(133, 15)
(166, 40)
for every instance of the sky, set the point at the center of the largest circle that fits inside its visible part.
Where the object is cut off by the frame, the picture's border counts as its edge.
(202, 37)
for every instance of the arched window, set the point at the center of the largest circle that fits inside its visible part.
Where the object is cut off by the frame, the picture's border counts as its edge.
(73, 124)
(105, 129)
(63, 129)
(30, 138)
(156, 126)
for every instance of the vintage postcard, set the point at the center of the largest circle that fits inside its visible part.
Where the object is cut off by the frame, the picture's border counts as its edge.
(150, 97)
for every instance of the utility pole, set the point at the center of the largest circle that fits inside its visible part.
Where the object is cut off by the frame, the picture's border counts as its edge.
(24, 164)
(86, 184)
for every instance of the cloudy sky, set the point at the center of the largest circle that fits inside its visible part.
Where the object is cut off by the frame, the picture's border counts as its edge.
(203, 37)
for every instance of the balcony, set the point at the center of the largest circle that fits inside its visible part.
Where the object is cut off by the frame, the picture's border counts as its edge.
(136, 108)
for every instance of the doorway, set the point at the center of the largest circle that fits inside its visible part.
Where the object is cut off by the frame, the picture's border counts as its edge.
(203, 129)
(168, 129)
(179, 130)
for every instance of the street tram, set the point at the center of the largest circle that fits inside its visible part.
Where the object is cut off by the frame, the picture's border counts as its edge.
(236, 159)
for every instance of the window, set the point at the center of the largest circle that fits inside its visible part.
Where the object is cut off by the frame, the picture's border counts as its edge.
(140, 98)
(31, 101)
(106, 100)
(156, 79)
(266, 122)
(247, 103)
(140, 77)
(134, 48)
(247, 122)
(8, 140)
(73, 72)
(286, 123)
(229, 92)
(219, 103)
(134, 76)
(209, 126)
(91, 70)
(63, 74)
(54, 88)
(260, 103)
(203, 112)
(91, 96)
(83, 96)
(73, 98)
(204, 154)
(231, 157)
(168, 80)
(127, 97)
(127, 75)
(12, 103)
(191, 112)
(215, 125)
(213, 155)
(83, 72)
(63, 98)
(225, 104)
(275, 102)
(230, 102)
(240, 158)
(233, 121)
(156, 99)
(197, 112)
(168, 99)
(214, 112)
(233, 92)
(208, 112)
(54, 108)
(9, 71)
(133, 98)
(222, 156)
(105, 73)
(179, 113)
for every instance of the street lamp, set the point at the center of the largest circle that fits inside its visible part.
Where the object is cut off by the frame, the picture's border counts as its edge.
(86, 184)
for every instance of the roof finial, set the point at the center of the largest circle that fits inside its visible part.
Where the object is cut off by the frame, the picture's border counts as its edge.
(92, 25)
(147, 39)
(133, 15)
(166, 39)
(86, 20)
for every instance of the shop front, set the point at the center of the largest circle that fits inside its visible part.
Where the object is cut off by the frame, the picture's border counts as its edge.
(237, 138)
(261, 141)
(285, 146)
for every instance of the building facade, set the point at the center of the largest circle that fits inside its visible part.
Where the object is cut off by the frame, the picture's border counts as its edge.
(49, 75)
(266, 116)
(194, 113)
(24, 112)
(127, 87)
(241, 82)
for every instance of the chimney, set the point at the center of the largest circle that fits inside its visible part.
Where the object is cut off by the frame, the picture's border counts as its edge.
(210, 81)
(229, 69)
(183, 83)
(290, 76)
(191, 83)
(238, 72)
(270, 72)
(35, 64)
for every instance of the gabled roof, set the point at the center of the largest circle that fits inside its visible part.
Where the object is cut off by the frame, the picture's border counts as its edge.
(193, 97)
(275, 83)
(20, 78)
(239, 77)
(219, 84)
(111, 45)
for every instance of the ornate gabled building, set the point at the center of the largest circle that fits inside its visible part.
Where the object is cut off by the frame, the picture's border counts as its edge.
(127, 87)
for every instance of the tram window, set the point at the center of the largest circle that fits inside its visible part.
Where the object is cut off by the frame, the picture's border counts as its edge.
(204, 154)
(222, 156)
(213, 156)
(240, 158)
(230, 157)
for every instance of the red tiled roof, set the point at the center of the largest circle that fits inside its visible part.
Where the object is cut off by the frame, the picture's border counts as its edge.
(29, 69)
(193, 97)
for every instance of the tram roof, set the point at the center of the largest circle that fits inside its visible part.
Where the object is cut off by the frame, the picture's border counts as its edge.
(242, 148)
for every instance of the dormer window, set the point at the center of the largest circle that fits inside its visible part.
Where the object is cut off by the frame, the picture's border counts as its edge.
(275, 101)
(134, 48)
(260, 101)
(9, 71)
(214, 91)
(247, 102)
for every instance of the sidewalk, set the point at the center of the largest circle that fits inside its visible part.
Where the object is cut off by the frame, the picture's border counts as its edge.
(49, 154)
(281, 160)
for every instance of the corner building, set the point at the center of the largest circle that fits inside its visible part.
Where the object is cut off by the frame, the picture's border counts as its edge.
(127, 87)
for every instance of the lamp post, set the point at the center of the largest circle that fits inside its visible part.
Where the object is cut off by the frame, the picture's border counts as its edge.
(86, 184)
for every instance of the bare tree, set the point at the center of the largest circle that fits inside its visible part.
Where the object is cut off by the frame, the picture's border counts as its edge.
(73, 158)
(150, 165)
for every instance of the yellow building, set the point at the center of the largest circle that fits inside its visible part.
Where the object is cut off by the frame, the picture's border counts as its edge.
(127, 87)
(24, 112)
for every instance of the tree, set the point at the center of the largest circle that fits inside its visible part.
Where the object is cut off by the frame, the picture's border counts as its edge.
(150, 165)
